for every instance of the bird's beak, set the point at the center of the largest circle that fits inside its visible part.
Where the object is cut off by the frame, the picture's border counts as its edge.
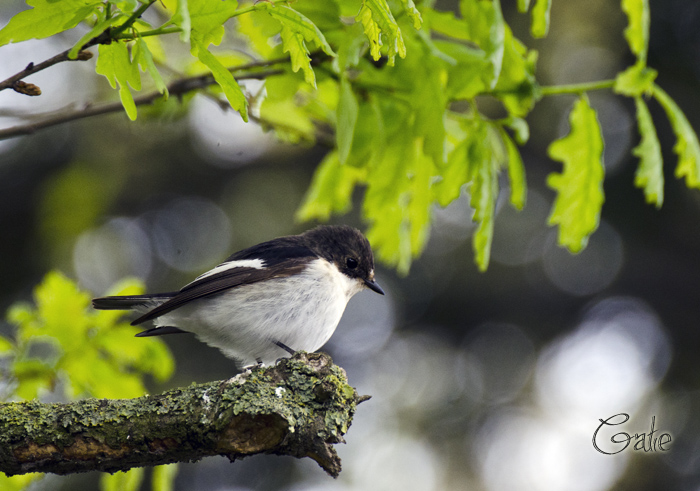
(372, 285)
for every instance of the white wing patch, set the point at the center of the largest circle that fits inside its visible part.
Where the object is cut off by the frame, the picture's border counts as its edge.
(242, 263)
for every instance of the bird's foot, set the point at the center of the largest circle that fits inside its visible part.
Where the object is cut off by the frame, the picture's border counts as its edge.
(285, 348)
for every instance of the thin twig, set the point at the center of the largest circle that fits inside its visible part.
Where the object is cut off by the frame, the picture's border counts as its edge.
(32, 68)
(576, 88)
(130, 21)
(177, 88)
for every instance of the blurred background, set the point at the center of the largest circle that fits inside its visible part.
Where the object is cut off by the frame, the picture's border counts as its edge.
(493, 381)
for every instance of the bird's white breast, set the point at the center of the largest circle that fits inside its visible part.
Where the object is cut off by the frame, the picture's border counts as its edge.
(301, 311)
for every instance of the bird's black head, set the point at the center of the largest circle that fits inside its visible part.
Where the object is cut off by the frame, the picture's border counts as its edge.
(347, 248)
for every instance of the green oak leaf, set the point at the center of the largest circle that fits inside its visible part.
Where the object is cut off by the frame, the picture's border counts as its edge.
(122, 481)
(637, 31)
(635, 81)
(580, 186)
(516, 86)
(523, 6)
(223, 77)
(448, 24)
(293, 43)
(540, 18)
(483, 192)
(114, 62)
(381, 29)
(300, 24)
(516, 172)
(207, 19)
(6, 347)
(419, 198)
(520, 129)
(331, 189)
(297, 31)
(412, 13)
(469, 153)
(164, 477)
(144, 58)
(398, 202)
(182, 19)
(346, 118)
(649, 175)
(687, 146)
(485, 26)
(48, 17)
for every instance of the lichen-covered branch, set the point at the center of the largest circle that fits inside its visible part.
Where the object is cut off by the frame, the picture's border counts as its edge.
(299, 407)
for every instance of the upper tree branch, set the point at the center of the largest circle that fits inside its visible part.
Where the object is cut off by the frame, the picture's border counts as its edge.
(178, 87)
(13, 82)
(299, 407)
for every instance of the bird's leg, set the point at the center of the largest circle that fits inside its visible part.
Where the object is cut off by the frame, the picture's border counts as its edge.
(285, 347)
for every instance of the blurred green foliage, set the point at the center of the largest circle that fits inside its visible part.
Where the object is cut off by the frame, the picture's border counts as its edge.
(60, 334)
(64, 347)
(401, 85)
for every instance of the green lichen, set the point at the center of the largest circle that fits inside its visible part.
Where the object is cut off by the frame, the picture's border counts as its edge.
(307, 393)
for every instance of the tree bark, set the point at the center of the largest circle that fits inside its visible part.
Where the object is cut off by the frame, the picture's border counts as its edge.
(299, 407)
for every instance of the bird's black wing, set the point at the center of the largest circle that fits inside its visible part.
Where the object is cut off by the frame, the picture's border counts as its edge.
(279, 260)
(275, 251)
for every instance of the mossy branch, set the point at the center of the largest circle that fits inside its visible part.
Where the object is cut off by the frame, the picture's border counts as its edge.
(299, 407)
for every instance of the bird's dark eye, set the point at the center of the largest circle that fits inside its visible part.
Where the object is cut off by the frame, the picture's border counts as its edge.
(351, 263)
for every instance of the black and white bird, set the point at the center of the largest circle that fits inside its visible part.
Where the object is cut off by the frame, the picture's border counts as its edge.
(278, 297)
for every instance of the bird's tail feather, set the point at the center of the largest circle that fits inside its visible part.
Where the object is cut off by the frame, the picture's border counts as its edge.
(130, 301)
(159, 331)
